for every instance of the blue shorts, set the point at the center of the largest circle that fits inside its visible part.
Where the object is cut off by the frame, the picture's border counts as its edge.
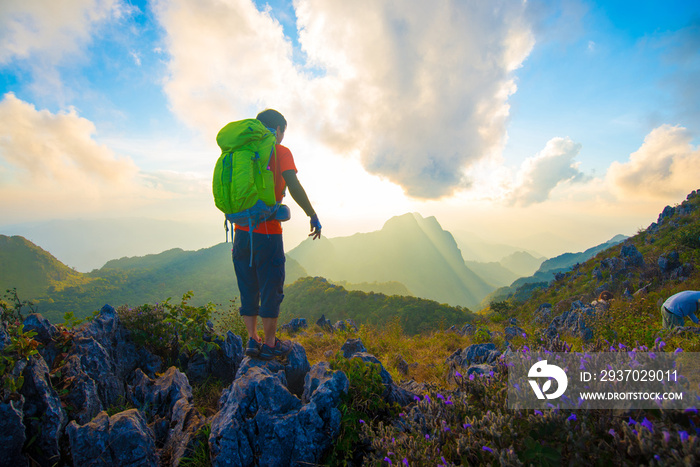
(261, 285)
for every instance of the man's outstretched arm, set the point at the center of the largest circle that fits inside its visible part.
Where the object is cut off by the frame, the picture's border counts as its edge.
(299, 196)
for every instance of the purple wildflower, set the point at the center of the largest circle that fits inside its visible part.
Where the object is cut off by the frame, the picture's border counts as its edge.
(486, 448)
(466, 425)
(427, 398)
(524, 335)
(683, 435)
(416, 398)
(636, 433)
(662, 344)
(387, 460)
(647, 424)
(362, 421)
(572, 418)
(537, 412)
(440, 396)
(471, 377)
(405, 462)
(678, 350)
(667, 437)
(427, 436)
(458, 374)
(612, 432)
(691, 410)
(631, 422)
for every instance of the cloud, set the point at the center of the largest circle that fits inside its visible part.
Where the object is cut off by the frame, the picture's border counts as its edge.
(50, 30)
(548, 169)
(421, 91)
(666, 166)
(51, 165)
(38, 37)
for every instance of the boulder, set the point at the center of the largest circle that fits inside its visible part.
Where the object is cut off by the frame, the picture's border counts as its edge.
(511, 332)
(475, 354)
(98, 365)
(122, 439)
(167, 401)
(221, 363)
(324, 323)
(262, 423)
(576, 321)
(543, 314)
(45, 331)
(4, 337)
(631, 256)
(351, 347)
(291, 373)
(294, 326)
(12, 433)
(45, 334)
(43, 414)
(345, 325)
(83, 393)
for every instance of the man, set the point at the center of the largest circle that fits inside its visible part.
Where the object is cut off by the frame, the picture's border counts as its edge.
(678, 306)
(261, 284)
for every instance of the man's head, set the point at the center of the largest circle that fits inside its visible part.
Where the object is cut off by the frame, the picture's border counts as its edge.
(274, 120)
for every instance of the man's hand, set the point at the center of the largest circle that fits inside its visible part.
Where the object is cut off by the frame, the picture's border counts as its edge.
(315, 227)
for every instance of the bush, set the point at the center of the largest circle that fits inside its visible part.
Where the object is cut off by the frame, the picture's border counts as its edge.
(167, 329)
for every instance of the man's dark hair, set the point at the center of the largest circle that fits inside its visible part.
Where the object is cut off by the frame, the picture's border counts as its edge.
(272, 119)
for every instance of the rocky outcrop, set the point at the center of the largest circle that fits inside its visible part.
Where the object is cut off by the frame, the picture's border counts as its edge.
(476, 358)
(44, 416)
(122, 439)
(261, 422)
(12, 433)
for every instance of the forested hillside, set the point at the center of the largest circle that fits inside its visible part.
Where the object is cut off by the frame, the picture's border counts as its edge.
(312, 297)
(56, 289)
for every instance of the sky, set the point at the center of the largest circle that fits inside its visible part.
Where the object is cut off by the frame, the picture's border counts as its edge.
(551, 125)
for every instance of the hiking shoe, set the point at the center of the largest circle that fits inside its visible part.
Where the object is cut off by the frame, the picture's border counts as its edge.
(281, 349)
(253, 348)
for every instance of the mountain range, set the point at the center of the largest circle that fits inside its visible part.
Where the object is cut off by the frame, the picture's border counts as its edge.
(410, 249)
(410, 255)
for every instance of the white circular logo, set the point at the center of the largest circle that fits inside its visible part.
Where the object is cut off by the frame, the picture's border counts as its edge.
(542, 370)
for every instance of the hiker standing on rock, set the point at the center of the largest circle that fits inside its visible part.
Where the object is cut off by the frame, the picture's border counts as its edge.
(678, 306)
(260, 273)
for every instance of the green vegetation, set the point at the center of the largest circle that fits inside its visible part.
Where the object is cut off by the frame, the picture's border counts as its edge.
(363, 405)
(56, 289)
(19, 345)
(311, 297)
(167, 330)
(464, 421)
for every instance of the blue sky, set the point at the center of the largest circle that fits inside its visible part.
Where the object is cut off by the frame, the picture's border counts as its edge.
(548, 125)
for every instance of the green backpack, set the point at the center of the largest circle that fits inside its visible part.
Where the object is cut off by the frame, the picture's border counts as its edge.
(243, 184)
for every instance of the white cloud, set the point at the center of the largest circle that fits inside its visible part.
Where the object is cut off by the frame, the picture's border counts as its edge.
(665, 167)
(548, 169)
(52, 166)
(49, 30)
(421, 90)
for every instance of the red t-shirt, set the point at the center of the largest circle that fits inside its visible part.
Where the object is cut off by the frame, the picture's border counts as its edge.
(281, 161)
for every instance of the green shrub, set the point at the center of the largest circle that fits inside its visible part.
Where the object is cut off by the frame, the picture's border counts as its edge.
(364, 404)
(167, 329)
